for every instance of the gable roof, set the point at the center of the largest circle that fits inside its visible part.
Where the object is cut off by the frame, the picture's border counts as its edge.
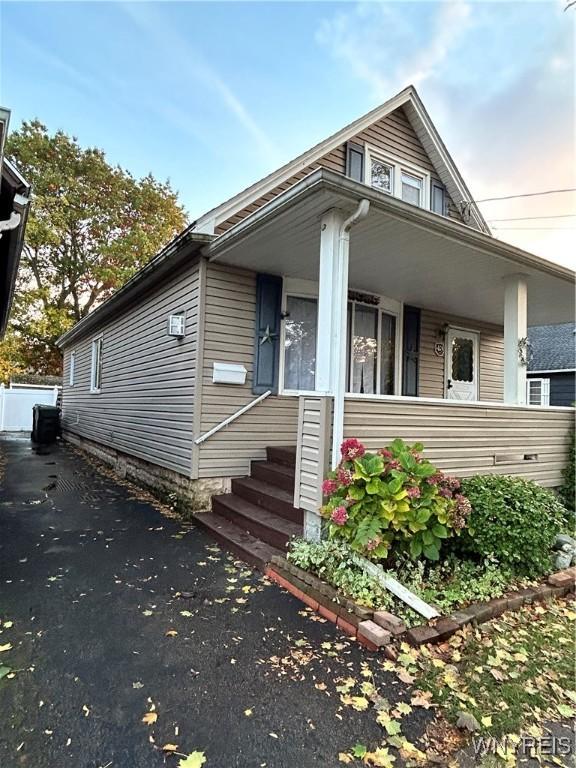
(553, 347)
(424, 128)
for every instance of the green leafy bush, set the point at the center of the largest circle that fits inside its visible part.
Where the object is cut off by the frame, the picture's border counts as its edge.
(513, 520)
(392, 499)
(568, 491)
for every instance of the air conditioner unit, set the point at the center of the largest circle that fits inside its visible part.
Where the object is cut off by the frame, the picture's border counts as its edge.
(176, 325)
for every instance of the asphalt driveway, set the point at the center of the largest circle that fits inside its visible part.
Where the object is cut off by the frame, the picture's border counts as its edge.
(114, 610)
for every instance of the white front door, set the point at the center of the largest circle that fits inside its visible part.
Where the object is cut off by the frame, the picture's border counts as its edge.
(462, 349)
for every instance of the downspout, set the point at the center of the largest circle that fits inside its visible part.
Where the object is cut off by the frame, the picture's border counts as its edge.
(339, 387)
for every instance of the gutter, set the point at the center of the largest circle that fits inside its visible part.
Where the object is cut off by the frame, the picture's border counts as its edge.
(184, 245)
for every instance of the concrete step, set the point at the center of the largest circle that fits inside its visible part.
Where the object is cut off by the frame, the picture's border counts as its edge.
(235, 540)
(275, 474)
(285, 454)
(266, 526)
(269, 497)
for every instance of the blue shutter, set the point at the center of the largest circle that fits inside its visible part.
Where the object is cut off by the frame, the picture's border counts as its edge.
(411, 351)
(438, 199)
(355, 161)
(267, 333)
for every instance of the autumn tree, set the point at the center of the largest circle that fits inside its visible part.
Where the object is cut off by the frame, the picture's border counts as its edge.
(91, 226)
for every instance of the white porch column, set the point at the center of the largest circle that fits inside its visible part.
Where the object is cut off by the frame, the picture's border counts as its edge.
(515, 329)
(332, 312)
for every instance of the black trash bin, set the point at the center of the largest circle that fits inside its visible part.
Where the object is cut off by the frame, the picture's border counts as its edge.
(45, 424)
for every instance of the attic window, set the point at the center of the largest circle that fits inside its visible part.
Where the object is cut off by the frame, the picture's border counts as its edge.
(382, 176)
(412, 188)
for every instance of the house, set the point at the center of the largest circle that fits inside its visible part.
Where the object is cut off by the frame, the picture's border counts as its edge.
(552, 364)
(356, 291)
(14, 200)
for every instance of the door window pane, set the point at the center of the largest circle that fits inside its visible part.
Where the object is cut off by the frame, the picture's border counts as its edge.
(364, 350)
(462, 359)
(411, 189)
(300, 343)
(388, 354)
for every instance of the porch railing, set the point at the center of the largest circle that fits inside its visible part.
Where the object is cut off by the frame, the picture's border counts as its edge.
(469, 438)
(312, 458)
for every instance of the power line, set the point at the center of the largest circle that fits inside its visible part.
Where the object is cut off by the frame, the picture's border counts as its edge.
(533, 229)
(527, 194)
(531, 218)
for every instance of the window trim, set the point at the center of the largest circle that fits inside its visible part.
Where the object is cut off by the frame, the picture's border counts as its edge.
(97, 343)
(72, 369)
(544, 391)
(399, 166)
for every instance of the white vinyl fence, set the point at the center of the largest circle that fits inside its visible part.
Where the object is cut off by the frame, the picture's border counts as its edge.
(16, 406)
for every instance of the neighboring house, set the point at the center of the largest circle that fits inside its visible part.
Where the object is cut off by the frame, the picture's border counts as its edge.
(356, 291)
(552, 364)
(14, 200)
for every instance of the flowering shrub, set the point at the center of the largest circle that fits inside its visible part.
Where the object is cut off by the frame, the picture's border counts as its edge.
(392, 499)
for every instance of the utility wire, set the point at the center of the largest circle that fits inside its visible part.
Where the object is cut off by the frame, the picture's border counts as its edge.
(531, 218)
(534, 229)
(527, 194)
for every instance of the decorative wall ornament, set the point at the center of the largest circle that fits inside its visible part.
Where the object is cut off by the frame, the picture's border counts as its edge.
(365, 298)
(439, 349)
(525, 352)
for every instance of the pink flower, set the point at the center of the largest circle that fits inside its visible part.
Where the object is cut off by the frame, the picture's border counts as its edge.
(339, 516)
(385, 452)
(352, 449)
(373, 543)
(329, 487)
(453, 483)
(435, 478)
(446, 492)
(394, 464)
(344, 476)
(413, 493)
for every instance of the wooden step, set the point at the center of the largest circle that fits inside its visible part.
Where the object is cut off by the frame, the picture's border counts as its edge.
(269, 497)
(268, 527)
(274, 474)
(285, 454)
(235, 540)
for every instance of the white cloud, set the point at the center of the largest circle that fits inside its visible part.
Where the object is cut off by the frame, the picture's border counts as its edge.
(380, 43)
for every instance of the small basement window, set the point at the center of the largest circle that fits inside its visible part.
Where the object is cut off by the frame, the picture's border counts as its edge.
(538, 391)
(96, 368)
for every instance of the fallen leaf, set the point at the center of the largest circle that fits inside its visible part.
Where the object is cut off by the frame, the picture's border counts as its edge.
(150, 718)
(194, 760)
(170, 747)
(4, 671)
(467, 722)
(171, 633)
(248, 712)
(186, 613)
(6, 647)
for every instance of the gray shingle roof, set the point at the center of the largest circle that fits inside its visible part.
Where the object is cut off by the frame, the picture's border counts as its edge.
(553, 347)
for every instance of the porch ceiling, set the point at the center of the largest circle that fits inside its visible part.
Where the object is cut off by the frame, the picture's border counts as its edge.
(398, 251)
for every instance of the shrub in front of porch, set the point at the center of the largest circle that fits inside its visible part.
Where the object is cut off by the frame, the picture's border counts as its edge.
(392, 500)
(514, 521)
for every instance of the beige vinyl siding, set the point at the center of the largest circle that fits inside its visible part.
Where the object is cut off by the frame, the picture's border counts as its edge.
(469, 439)
(393, 134)
(431, 365)
(145, 407)
(313, 451)
(229, 321)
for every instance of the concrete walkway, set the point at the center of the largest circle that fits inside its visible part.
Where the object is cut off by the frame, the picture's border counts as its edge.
(97, 581)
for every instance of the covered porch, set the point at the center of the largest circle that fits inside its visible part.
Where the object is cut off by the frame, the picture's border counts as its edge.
(398, 322)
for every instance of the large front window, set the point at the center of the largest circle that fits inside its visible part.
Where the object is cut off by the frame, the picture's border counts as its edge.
(371, 347)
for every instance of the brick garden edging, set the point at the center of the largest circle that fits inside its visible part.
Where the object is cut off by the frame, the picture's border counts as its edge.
(380, 629)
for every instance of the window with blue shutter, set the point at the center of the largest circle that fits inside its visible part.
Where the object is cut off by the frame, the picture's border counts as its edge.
(267, 333)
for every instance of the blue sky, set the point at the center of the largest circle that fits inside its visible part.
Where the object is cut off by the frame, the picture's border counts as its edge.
(215, 95)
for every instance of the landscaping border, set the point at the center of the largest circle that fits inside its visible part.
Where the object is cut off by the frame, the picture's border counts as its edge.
(379, 630)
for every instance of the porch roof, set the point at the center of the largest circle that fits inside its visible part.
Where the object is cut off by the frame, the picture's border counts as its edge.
(399, 251)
